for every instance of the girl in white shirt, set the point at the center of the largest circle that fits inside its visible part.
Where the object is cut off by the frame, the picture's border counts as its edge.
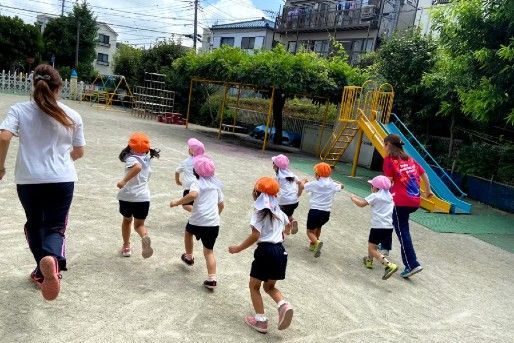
(195, 148)
(51, 137)
(204, 222)
(382, 205)
(290, 189)
(268, 223)
(134, 193)
(322, 193)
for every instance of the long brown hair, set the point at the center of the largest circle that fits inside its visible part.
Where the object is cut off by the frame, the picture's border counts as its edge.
(47, 82)
(395, 147)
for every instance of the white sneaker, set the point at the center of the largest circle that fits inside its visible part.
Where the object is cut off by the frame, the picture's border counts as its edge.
(126, 251)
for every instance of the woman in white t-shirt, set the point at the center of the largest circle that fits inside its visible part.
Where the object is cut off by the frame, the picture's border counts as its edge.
(51, 137)
(322, 192)
(204, 222)
(134, 193)
(382, 205)
(268, 223)
(195, 148)
(290, 189)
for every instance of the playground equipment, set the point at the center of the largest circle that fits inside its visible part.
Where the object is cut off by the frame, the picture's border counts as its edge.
(366, 111)
(153, 99)
(100, 94)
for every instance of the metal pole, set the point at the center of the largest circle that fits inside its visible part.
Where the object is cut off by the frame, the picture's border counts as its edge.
(357, 152)
(323, 126)
(195, 32)
(62, 8)
(237, 108)
(270, 109)
(222, 109)
(189, 102)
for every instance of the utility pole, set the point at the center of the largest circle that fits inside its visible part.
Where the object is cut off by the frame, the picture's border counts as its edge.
(195, 33)
(62, 8)
(77, 45)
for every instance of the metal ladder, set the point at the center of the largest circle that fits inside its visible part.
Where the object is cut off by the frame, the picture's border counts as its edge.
(340, 141)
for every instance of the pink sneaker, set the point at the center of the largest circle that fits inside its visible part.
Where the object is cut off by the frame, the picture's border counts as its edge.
(51, 284)
(260, 326)
(285, 315)
(126, 251)
(36, 278)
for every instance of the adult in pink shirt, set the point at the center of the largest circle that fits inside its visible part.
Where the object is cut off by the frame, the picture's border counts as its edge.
(406, 175)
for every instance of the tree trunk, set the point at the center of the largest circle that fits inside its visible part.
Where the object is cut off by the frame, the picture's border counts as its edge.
(450, 146)
(278, 106)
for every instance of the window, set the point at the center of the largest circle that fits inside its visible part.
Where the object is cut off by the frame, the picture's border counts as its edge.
(227, 41)
(321, 47)
(103, 39)
(247, 42)
(291, 46)
(102, 59)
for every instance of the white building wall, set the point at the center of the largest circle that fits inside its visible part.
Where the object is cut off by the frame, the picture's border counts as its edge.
(108, 49)
(423, 16)
(263, 38)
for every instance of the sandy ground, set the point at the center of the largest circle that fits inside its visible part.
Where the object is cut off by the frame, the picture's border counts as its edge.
(465, 293)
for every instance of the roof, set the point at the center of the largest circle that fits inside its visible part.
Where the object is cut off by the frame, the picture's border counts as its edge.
(99, 23)
(251, 24)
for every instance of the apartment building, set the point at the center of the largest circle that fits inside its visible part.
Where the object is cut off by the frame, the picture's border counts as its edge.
(358, 25)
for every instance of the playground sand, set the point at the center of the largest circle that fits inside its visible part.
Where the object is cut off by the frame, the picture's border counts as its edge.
(463, 295)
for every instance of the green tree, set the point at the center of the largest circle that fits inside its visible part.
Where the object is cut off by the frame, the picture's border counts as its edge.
(19, 41)
(60, 37)
(160, 57)
(127, 62)
(304, 72)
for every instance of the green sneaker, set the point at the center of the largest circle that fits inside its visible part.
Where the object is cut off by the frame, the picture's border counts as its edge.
(367, 262)
(390, 269)
(317, 248)
(312, 246)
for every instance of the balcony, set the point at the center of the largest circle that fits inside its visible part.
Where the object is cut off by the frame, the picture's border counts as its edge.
(102, 63)
(304, 20)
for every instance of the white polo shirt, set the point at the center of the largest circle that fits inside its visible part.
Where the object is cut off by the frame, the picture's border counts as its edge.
(205, 208)
(322, 193)
(186, 168)
(45, 144)
(137, 189)
(288, 193)
(382, 206)
(270, 230)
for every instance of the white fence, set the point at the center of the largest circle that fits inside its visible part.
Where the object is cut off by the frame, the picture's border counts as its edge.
(20, 83)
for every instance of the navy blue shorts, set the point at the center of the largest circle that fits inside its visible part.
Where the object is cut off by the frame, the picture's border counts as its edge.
(384, 236)
(289, 209)
(186, 192)
(317, 218)
(138, 210)
(270, 262)
(207, 234)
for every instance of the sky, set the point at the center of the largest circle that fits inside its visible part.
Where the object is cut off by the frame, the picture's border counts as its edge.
(142, 22)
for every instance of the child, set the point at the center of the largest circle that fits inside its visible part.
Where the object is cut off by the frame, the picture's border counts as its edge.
(290, 189)
(205, 215)
(196, 148)
(270, 262)
(381, 202)
(322, 193)
(134, 193)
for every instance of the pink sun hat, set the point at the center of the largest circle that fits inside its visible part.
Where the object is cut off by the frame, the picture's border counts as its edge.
(196, 146)
(203, 166)
(380, 182)
(281, 161)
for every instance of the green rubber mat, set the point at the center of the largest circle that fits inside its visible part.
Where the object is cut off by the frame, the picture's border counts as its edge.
(485, 223)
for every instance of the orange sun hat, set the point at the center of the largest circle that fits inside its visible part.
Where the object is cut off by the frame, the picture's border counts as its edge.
(323, 169)
(267, 185)
(139, 142)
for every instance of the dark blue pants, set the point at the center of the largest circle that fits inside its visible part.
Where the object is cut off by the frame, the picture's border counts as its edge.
(401, 227)
(46, 208)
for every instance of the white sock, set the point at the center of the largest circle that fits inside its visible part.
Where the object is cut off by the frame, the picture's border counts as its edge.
(211, 277)
(260, 317)
(281, 302)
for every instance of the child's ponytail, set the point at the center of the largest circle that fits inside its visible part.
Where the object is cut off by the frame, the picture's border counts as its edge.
(124, 153)
(155, 153)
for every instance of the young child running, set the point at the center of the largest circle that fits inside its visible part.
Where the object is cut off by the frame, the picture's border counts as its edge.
(322, 193)
(267, 224)
(381, 202)
(290, 189)
(205, 215)
(134, 193)
(195, 148)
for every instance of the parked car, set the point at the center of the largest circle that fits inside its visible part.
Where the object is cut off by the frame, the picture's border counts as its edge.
(288, 138)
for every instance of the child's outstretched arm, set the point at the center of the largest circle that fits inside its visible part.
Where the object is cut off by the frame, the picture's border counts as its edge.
(177, 179)
(250, 240)
(191, 196)
(301, 186)
(359, 201)
(221, 206)
(133, 171)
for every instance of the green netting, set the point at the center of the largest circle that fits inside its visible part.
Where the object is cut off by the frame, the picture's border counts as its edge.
(485, 223)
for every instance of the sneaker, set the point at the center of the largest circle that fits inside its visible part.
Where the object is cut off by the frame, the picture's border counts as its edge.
(147, 250)
(317, 248)
(367, 262)
(126, 251)
(390, 269)
(294, 229)
(261, 326)
(285, 315)
(210, 284)
(409, 272)
(51, 284)
(187, 261)
(36, 278)
(312, 246)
